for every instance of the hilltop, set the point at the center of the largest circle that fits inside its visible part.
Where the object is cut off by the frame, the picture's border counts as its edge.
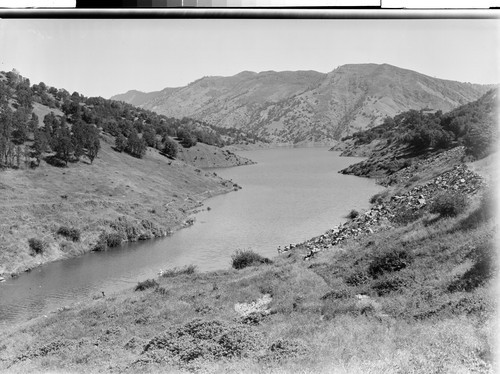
(307, 106)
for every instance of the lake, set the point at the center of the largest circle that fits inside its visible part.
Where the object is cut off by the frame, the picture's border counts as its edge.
(289, 196)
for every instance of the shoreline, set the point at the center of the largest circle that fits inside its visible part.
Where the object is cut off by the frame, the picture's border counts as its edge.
(170, 229)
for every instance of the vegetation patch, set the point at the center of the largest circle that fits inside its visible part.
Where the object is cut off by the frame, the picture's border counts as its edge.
(379, 197)
(389, 261)
(170, 273)
(481, 272)
(37, 246)
(449, 204)
(353, 214)
(406, 215)
(203, 340)
(69, 232)
(243, 259)
(148, 283)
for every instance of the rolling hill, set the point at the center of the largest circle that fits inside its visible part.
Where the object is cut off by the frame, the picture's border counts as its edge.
(307, 106)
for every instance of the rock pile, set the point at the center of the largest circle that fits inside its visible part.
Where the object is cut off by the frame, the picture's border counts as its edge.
(448, 158)
(459, 179)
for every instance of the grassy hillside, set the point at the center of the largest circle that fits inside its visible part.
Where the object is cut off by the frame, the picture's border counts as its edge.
(137, 198)
(406, 286)
(414, 135)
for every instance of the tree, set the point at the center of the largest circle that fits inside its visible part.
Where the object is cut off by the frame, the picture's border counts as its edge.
(170, 148)
(149, 136)
(120, 142)
(20, 123)
(33, 123)
(186, 137)
(50, 122)
(41, 143)
(85, 139)
(93, 148)
(135, 145)
(63, 145)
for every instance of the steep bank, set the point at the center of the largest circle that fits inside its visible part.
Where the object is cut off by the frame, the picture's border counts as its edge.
(118, 194)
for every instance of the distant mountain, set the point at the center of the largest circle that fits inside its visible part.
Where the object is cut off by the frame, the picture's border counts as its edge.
(305, 106)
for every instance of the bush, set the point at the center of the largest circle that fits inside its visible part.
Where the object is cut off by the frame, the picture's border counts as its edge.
(389, 284)
(148, 283)
(170, 148)
(356, 278)
(107, 240)
(190, 269)
(113, 240)
(379, 197)
(242, 259)
(390, 261)
(37, 246)
(353, 214)
(449, 204)
(69, 232)
(404, 216)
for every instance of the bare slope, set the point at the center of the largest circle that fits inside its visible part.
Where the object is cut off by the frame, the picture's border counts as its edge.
(307, 105)
(141, 198)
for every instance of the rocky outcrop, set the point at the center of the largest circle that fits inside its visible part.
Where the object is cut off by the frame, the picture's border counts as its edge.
(382, 215)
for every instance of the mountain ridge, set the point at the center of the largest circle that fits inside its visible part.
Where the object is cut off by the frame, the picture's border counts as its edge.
(305, 105)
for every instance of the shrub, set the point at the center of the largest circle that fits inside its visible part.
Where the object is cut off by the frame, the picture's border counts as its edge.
(242, 259)
(113, 240)
(390, 261)
(148, 283)
(170, 148)
(342, 293)
(388, 285)
(379, 197)
(69, 232)
(190, 269)
(107, 240)
(356, 278)
(404, 216)
(449, 204)
(353, 214)
(36, 245)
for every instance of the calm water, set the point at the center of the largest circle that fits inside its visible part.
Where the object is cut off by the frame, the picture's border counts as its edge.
(289, 196)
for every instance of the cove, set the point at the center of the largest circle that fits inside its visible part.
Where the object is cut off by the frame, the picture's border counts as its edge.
(289, 196)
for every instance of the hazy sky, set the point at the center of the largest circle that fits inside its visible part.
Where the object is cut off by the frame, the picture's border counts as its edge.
(105, 57)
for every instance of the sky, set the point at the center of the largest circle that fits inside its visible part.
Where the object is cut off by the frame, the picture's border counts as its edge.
(104, 57)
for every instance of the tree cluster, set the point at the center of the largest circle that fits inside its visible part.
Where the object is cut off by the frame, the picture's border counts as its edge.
(472, 125)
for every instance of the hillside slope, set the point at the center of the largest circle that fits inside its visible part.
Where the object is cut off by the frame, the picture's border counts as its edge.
(415, 135)
(137, 198)
(398, 288)
(306, 105)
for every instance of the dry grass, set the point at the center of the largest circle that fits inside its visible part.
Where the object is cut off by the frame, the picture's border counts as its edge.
(382, 303)
(92, 198)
